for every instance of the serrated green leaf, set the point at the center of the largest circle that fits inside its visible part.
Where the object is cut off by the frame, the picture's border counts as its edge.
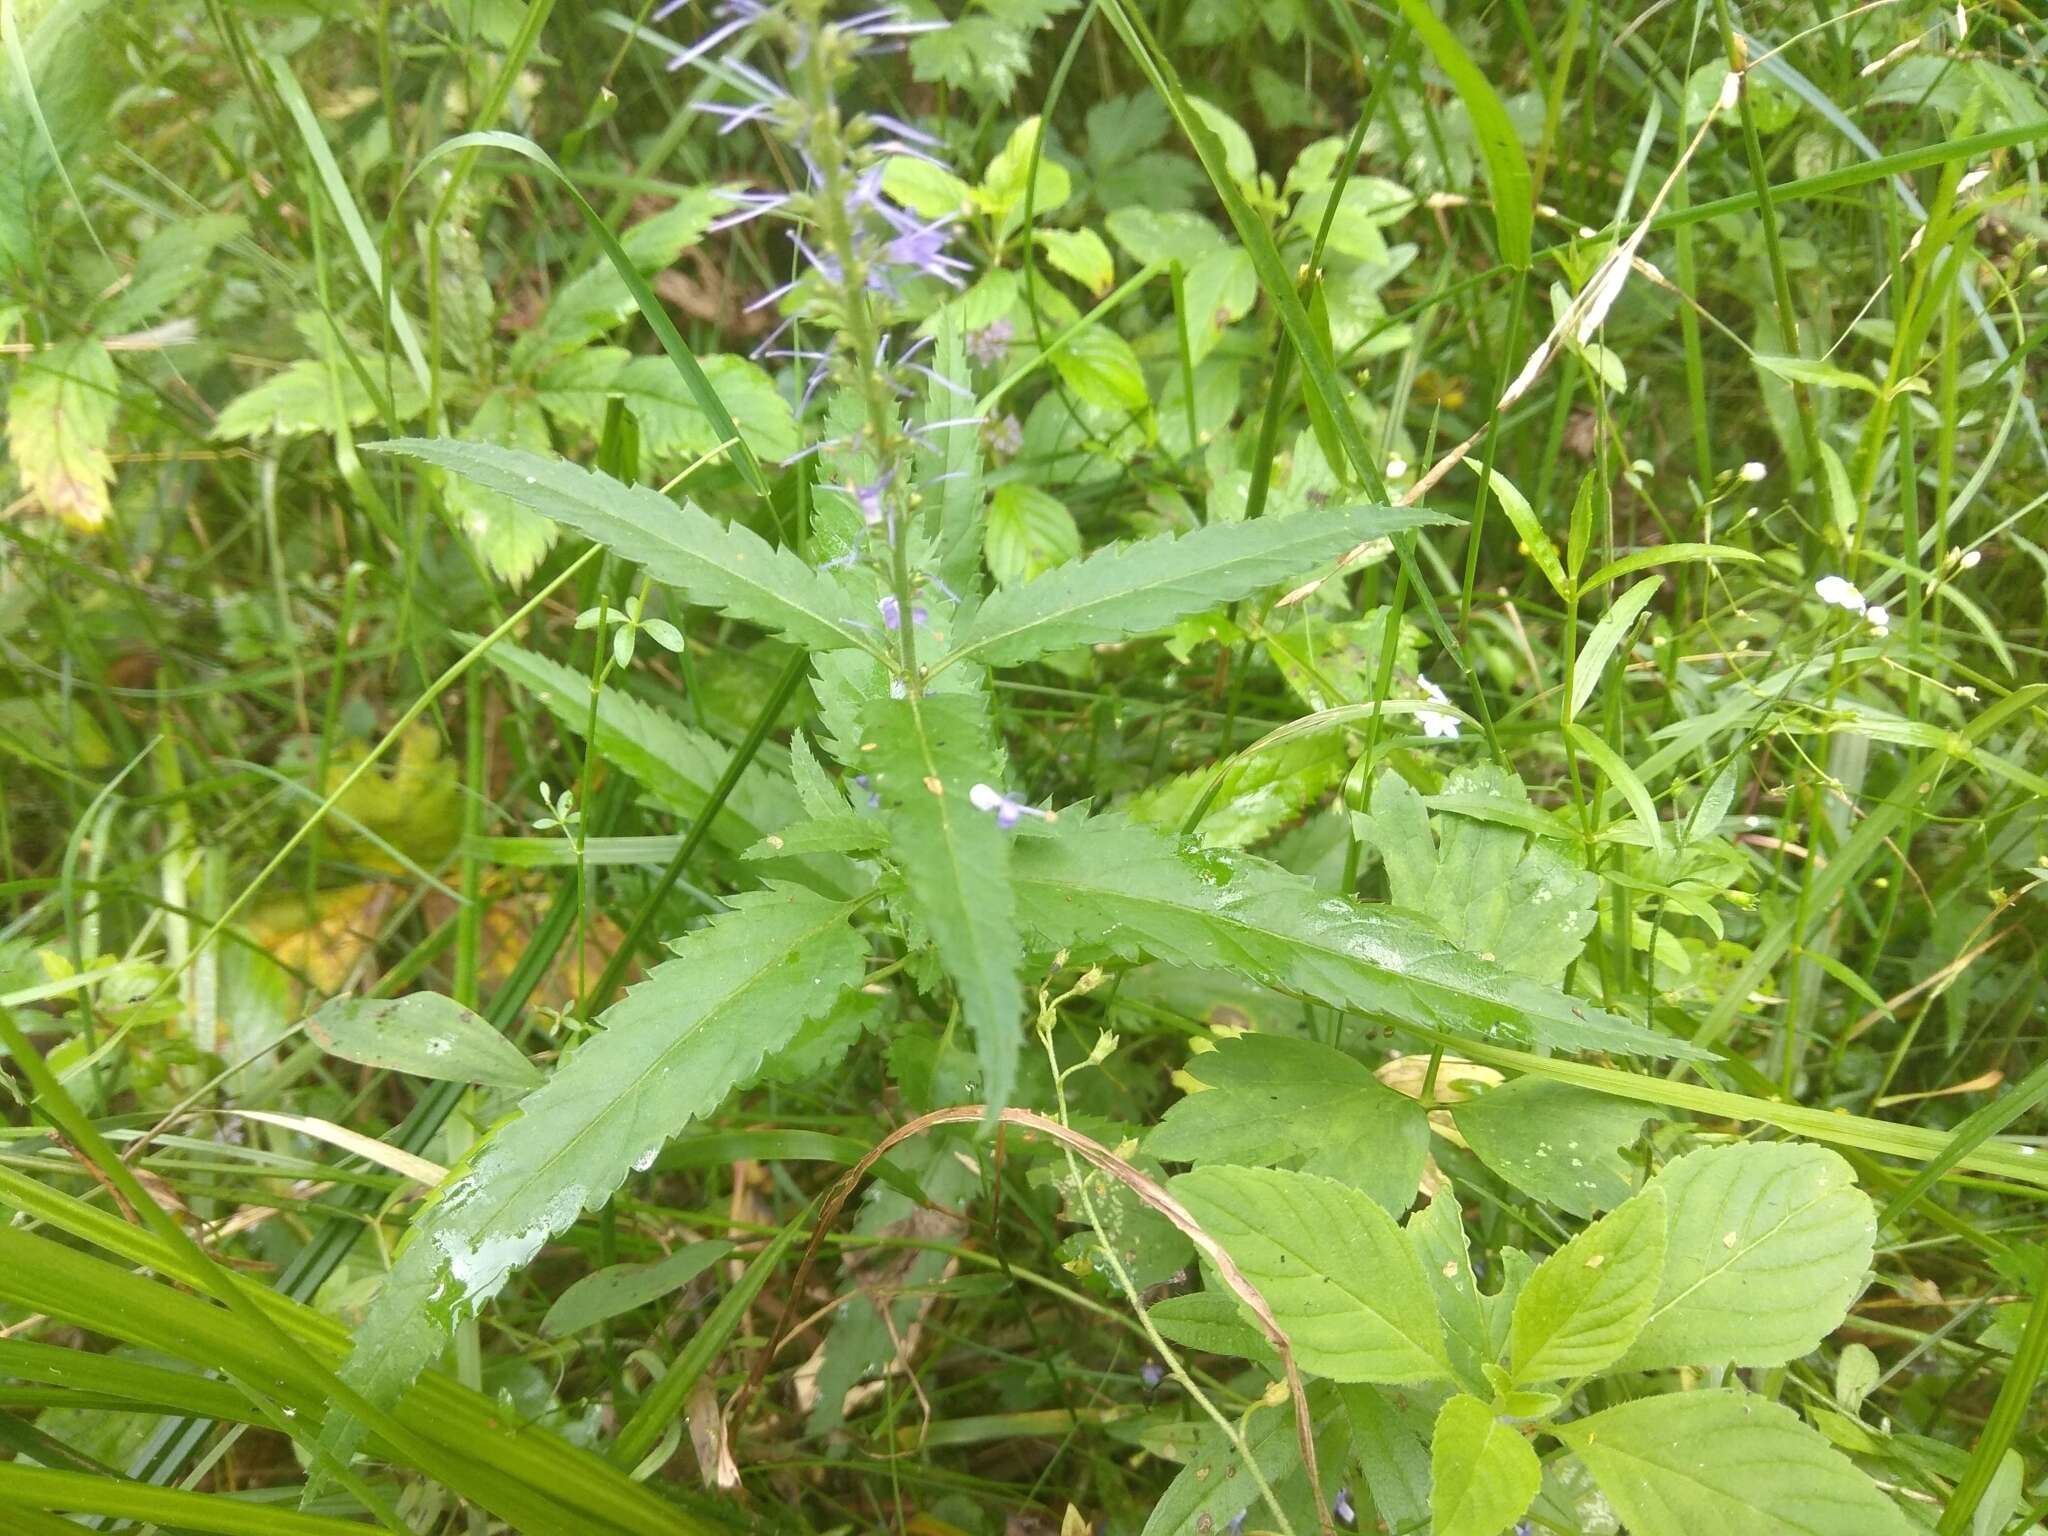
(1212, 1322)
(1002, 190)
(676, 764)
(1391, 1445)
(1147, 585)
(1605, 636)
(1108, 886)
(720, 565)
(1437, 1233)
(511, 538)
(1554, 1141)
(1769, 1243)
(1726, 1463)
(1483, 1473)
(1257, 793)
(930, 751)
(169, 265)
(1221, 288)
(597, 299)
(1587, 1302)
(1029, 532)
(1340, 1278)
(1493, 890)
(423, 1034)
(667, 1052)
(60, 415)
(626, 1287)
(673, 424)
(1270, 1100)
(1806, 370)
(927, 190)
(1151, 235)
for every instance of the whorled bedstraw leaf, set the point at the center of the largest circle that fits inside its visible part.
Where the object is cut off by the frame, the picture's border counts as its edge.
(1268, 1100)
(1489, 885)
(1555, 1141)
(1145, 586)
(1726, 1463)
(1768, 1245)
(423, 1034)
(667, 1052)
(1108, 886)
(1483, 1472)
(1587, 1302)
(1341, 1279)
(60, 414)
(930, 752)
(720, 565)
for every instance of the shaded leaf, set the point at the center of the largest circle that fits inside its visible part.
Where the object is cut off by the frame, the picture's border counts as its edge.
(625, 1287)
(60, 416)
(423, 1034)
(1554, 1141)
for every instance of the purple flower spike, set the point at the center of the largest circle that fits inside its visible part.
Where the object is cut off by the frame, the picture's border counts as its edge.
(991, 344)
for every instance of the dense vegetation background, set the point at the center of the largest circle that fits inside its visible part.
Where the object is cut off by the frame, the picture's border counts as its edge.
(1494, 981)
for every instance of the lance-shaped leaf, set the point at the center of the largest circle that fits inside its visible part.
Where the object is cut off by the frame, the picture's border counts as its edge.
(928, 752)
(1109, 886)
(676, 764)
(720, 565)
(668, 1051)
(1135, 588)
(1726, 1463)
(1587, 1302)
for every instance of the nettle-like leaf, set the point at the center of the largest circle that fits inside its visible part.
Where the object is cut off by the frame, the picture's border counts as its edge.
(929, 753)
(1475, 1323)
(667, 1052)
(1256, 794)
(1726, 1463)
(321, 393)
(1265, 1099)
(1109, 886)
(1768, 1245)
(1493, 889)
(576, 388)
(511, 538)
(1588, 1301)
(1145, 586)
(60, 415)
(719, 565)
(596, 300)
(1341, 1280)
(1555, 1141)
(1483, 1472)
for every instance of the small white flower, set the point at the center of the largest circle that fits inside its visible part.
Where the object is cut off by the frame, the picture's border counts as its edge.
(1842, 594)
(1436, 726)
(1396, 467)
(1971, 182)
(1878, 620)
(1753, 471)
(1972, 558)
(1731, 88)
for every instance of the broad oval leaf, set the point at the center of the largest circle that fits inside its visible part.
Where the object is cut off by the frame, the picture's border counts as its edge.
(1726, 1463)
(1553, 1140)
(1768, 1244)
(668, 1051)
(423, 1034)
(1587, 1302)
(1139, 587)
(1340, 1278)
(721, 565)
(1483, 1472)
(1267, 1099)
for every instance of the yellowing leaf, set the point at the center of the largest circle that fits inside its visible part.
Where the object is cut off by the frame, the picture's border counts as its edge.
(59, 417)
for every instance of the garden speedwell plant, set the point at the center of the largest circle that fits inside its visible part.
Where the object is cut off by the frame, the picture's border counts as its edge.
(1332, 1013)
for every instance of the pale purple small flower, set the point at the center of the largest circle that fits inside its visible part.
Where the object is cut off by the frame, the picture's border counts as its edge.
(1342, 1508)
(991, 344)
(1236, 1526)
(986, 797)
(892, 613)
(1005, 437)
(1151, 1373)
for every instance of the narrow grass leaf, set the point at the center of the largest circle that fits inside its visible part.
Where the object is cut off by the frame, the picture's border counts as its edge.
(1507, 168)
(1606, 635)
